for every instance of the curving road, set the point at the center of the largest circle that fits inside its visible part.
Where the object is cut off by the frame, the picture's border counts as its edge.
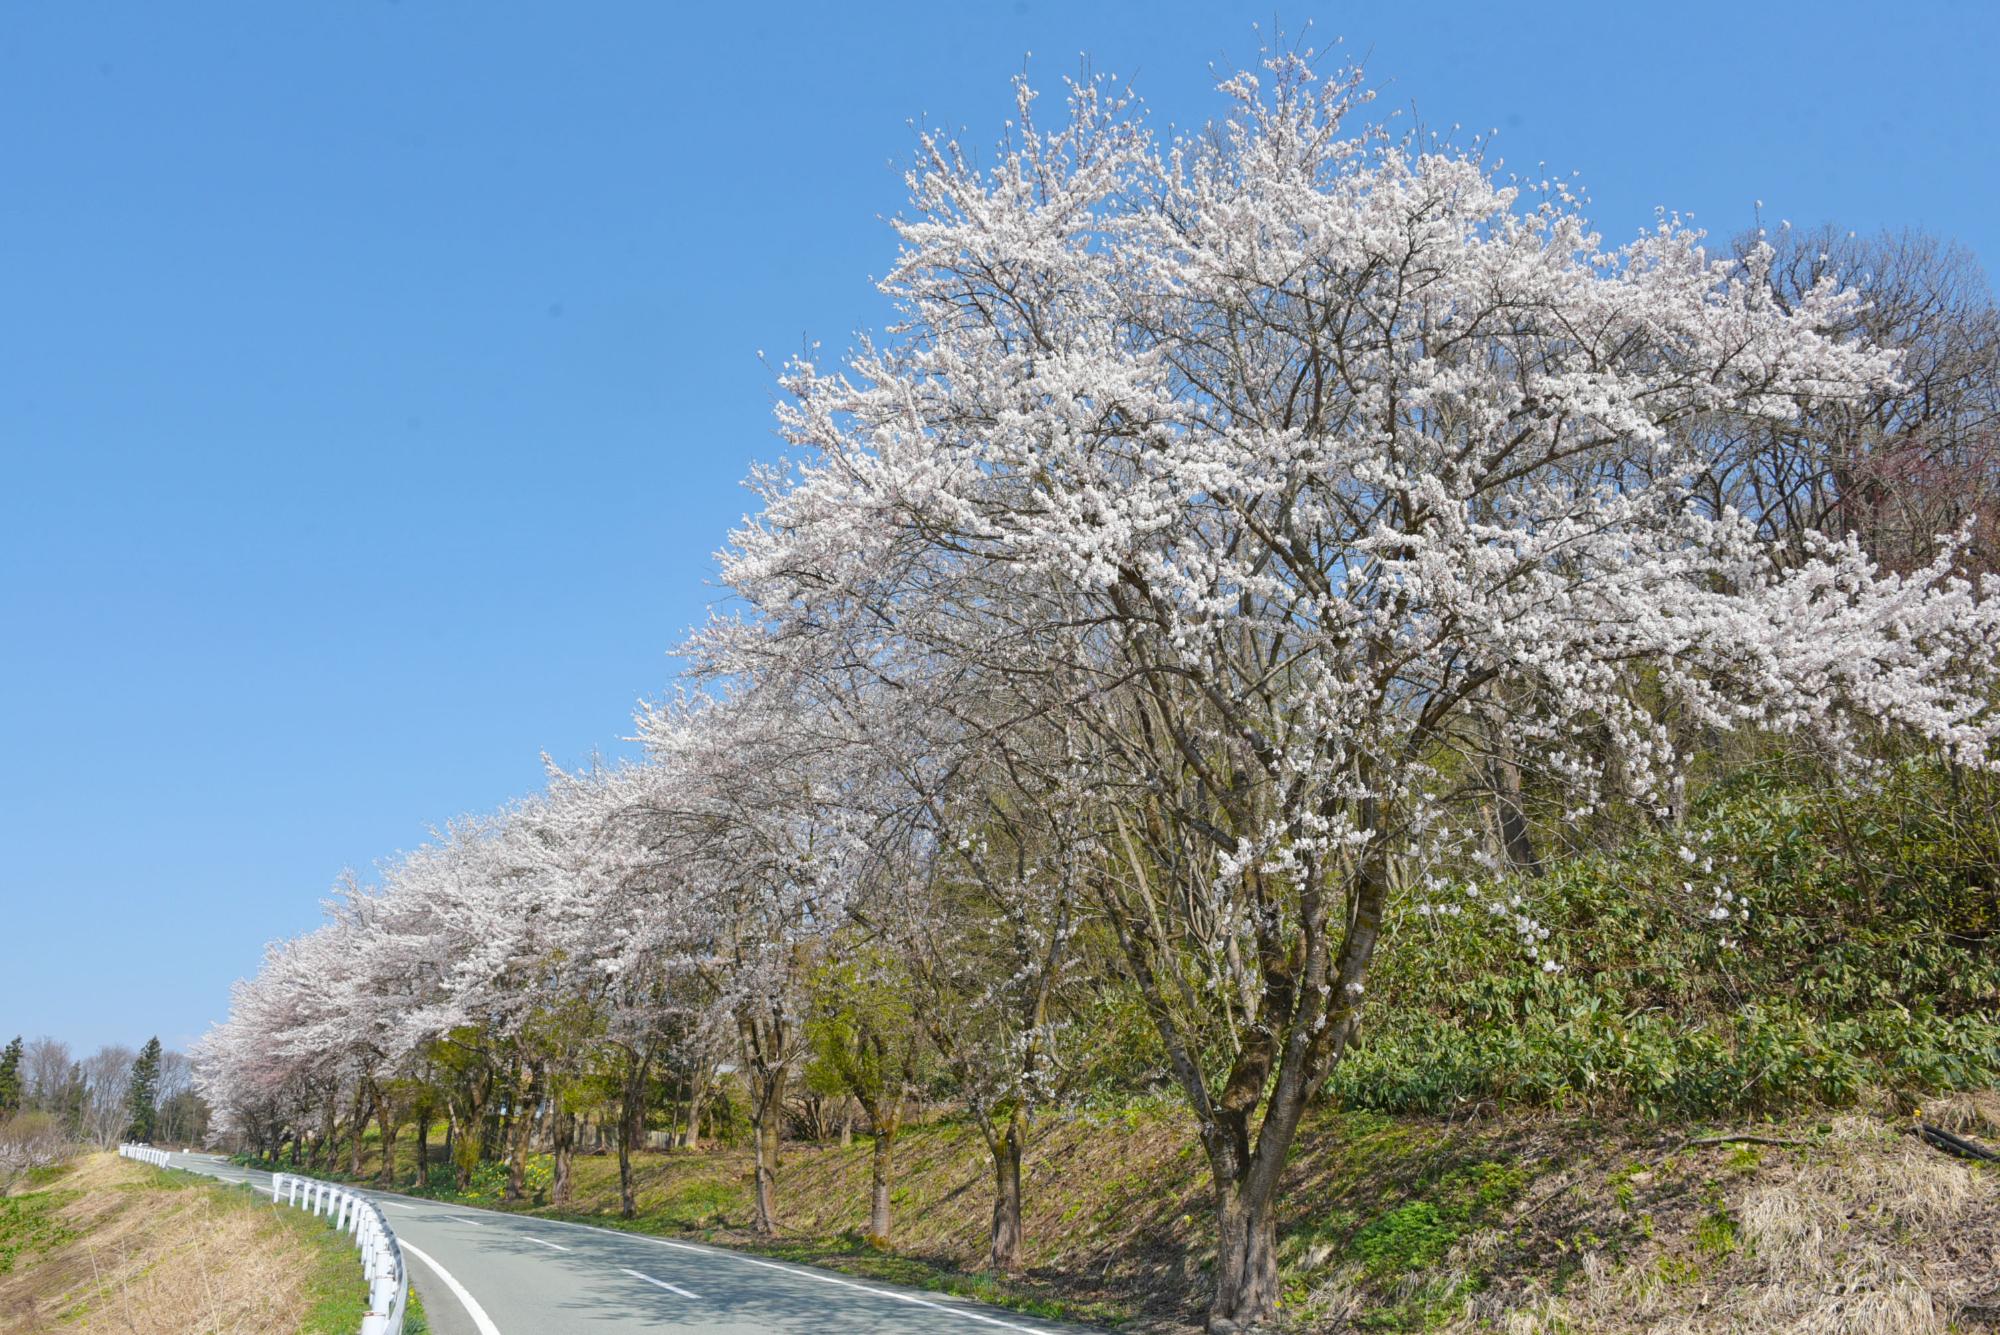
(482, 1272)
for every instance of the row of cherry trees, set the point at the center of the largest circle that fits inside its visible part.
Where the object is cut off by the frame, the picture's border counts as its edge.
(1180, 595)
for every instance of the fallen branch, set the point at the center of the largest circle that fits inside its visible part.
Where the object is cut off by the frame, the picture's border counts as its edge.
(1956, 1145)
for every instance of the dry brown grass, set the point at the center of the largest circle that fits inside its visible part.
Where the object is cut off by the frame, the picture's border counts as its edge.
(148, 1258)
(1974, 1113)
(1866, 1232)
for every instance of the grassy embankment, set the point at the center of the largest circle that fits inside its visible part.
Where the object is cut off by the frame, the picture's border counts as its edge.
(105, 1244)
(1530, 1222)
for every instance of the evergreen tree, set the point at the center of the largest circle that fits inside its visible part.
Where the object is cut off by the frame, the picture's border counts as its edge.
(141, 1103)
(10, 1078)
(68, 1103)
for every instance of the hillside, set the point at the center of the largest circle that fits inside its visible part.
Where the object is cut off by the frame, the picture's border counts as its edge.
(1526, 1223)
(105, 1244)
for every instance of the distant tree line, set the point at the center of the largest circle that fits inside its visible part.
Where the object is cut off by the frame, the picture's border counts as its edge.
(111, 1095)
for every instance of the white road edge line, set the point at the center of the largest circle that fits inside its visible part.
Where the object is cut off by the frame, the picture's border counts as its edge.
(672, 1288)
(483, 1322)
(552, 1246)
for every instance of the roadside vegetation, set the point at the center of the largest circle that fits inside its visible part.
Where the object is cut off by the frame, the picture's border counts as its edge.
(100, 1243)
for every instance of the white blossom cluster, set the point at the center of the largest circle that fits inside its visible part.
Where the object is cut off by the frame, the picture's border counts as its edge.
(1220, 512)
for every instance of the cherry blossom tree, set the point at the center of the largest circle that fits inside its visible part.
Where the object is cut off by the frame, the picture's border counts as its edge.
(1310, 462)
(747, 811)
(1240, 537)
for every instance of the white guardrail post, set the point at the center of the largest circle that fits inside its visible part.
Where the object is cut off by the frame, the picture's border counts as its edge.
(351, 1213)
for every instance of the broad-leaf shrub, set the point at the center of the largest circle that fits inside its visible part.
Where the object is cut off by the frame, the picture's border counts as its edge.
(1867, 956)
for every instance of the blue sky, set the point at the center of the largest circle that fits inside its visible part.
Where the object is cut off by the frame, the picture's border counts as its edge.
(376, 379)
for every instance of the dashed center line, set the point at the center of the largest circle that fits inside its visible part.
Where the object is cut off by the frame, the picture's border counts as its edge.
(552, 1246)
(671, 1288)
(461, 1219)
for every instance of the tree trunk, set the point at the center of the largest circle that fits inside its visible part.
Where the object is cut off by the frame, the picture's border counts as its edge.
(468, 1139)
(1005, 1255)
(631, 1124)
(385, 1121)
(423, 1147)
(356, 1127)
(1246, 1259)
(846, 1120)
(768, 1109)
(565, 1146)
(878, 1185)
(697, 1097)
(628, 1206)
(325, 1148)
(1503, 777)
(517, 1158)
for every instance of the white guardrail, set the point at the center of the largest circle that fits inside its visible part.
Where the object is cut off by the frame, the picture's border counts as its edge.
(381, 1257)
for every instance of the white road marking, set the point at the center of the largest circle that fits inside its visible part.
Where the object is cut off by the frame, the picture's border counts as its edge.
(461, 1219)
(480, 1320)
(673, 1288)
(552, 1246)
(843, 1283)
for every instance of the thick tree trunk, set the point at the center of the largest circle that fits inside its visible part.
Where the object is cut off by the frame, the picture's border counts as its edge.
(628, 1204)
(325, 1148)
(766, 1222)
(356, 1127)
(1005, 1255)
(565, 1147)
(697, 1099)
(631, 1125)
(846, 1121)
(525, 1092)
(385, 1122)
(763, 1061)
(468, 1139)
(769, 1111)
(1503, 776)
(1246, 1261)
(878, 1185)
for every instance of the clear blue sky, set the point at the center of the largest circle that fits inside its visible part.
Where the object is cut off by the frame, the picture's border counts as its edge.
(376, 379)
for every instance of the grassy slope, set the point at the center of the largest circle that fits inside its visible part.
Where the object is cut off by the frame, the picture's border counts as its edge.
(107, 1244)
(1531, 1223)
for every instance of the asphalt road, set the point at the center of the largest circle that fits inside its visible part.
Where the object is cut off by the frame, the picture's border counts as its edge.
(482, 1272)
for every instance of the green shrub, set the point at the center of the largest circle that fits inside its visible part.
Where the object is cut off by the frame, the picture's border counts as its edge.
(1867, 956)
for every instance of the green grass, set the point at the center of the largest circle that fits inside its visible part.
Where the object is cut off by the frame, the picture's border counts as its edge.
(336, 1293)
(28, 1225)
